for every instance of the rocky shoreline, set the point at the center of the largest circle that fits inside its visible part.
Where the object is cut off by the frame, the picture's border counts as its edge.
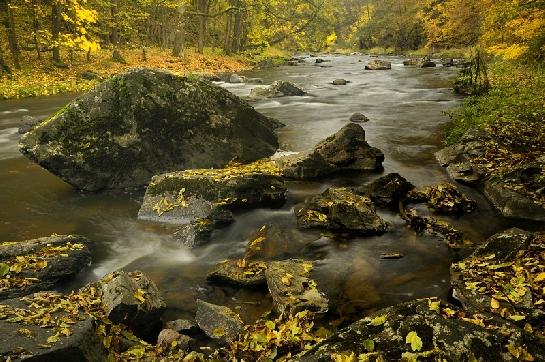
(120, 316)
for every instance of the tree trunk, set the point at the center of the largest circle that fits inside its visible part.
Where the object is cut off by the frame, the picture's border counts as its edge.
(203, 9)
(228, 26)
(36, 27)
(9, 23)
(4, 67)
(56, 24)
(114, 31)
(237, 36)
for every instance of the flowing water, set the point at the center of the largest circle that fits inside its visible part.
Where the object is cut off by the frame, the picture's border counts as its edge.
(406, 108)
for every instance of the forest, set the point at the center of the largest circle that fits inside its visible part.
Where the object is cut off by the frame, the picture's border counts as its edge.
(272, 180)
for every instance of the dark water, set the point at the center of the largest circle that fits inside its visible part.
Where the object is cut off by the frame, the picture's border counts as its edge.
(405, 106)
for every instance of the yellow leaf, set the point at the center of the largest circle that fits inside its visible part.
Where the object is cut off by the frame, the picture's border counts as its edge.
(414, 340)
(494, 303)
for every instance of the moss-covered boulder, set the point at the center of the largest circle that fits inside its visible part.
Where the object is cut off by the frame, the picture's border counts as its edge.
(339, 209)
(505, 276)
(427, 330)
(146, 122)
(39, 264)
(292, 289)
(346, 150)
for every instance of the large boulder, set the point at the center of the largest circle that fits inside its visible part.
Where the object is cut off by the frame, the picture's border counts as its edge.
(278, 89)
(339, 209)
(511, 203)
(132, 299)
(204, 198)
(504, 276)
(378, 65)
(31, 330)
(218, 322)
(386, 191)
(346, 150)
(39, 264)
(292, 289)
(146, 122)
(424, 330)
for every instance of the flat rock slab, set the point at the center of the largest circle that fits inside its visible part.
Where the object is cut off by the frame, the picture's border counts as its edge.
(346, 150)
(511, 203)
(218, 322)
(292, 289)
(133, 299)
(421, 330)
(26, 340)
(39, 264)
(339, 209)
(239, 273)
(184, 196)
(145, 122)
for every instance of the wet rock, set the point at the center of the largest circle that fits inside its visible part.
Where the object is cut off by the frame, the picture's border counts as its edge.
(512, 204)
(254, 80)
(358, 117)
(212, 78)
(426, 63)
(450, 154)
(502, 277)
(28, 122)
(133, 299)
(320, 61)
(341, 210)
(186, 196)
(239, 273)
(145, 122)
(30, 342)
(346, 150)
(464, 173)
(340, 82)
(444, 198)
(169, 337)
(391, 256)
(448, 62)
(199, 231)
(386, 191)
(416, 330)
(218, 322)
(182, 326)
(40, 264)
(275, 242)
(237, 79)
(292, 63)
(411, 62)
(278, 89)
(378, 65)
(291, 288)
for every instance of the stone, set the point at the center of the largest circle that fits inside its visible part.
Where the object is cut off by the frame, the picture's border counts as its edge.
(28, 122)
(292, 63)
(182, 326)
(218, 322)
(133, 299)
(237, 79)
(28, 341)
(145, 122)
(512, 204)
(168, 337)
(448, 62)
(358, 117)
(386, 191)
(450, 154)
(426, 63)
(339, 209)
(346, 150)
(340, 82)
(388, 334)
(278, 89)
(378, 65)
(196, 195)
(411, 62)
(464, 172)
(292, 289)
(254, 81)
(240, 273)
(40, 264)
(199, 231)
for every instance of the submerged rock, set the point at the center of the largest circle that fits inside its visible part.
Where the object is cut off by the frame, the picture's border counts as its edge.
(34, 340)
(39, 264)
(277, 89)
(218, 322)
(236, 79)
(346, 150)
(291, 288)
(386, 191)
(133, 299)
(426, 329)
(341, 210)
(340, 82)
(378, 65)
(145, 122)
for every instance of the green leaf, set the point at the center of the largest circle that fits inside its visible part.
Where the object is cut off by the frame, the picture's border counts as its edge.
(369, 345)
(378, 321)
(4, 269)
(415, 341)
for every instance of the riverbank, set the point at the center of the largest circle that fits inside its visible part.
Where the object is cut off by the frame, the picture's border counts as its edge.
(41, 78)
(510, 120)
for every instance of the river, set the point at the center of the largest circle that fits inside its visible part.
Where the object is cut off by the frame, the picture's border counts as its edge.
(405, 106)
